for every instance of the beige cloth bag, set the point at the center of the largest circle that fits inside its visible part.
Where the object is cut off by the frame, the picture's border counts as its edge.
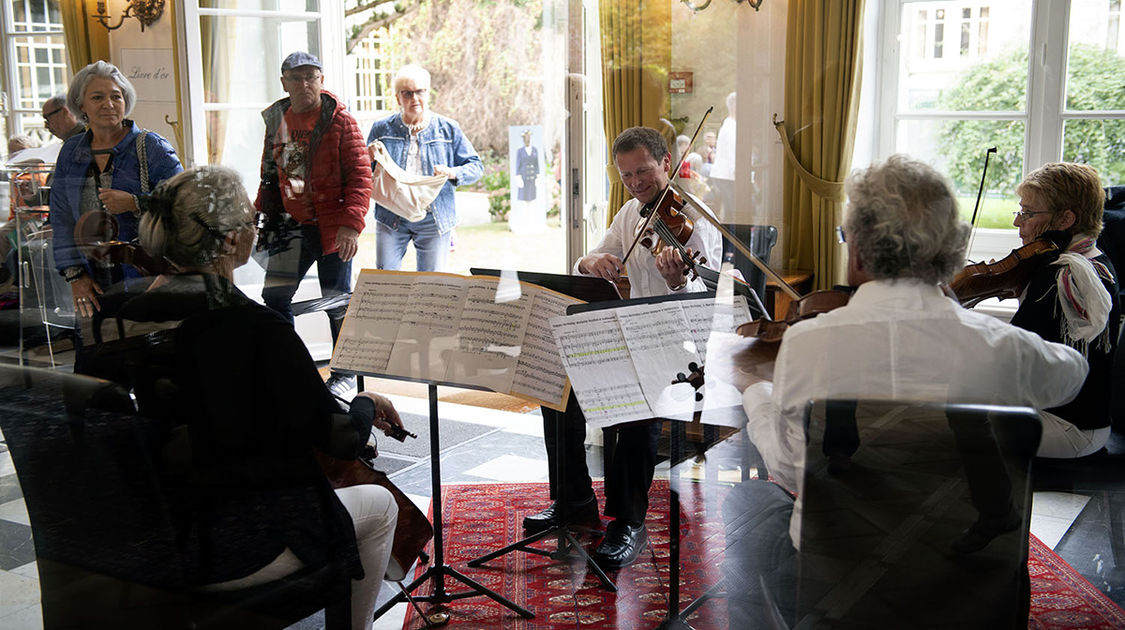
(404, 194)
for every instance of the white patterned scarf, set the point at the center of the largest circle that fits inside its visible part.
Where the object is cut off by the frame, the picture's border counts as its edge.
(1083, 298)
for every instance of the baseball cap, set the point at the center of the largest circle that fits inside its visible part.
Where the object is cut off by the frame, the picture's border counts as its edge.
(298, 59)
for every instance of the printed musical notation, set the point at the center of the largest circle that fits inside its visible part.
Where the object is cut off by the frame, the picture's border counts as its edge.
(622, 363)
(600, 368)
(540, 374)
(455, 329)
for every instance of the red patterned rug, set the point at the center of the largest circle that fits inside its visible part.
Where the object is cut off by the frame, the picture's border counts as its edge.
(480, 518)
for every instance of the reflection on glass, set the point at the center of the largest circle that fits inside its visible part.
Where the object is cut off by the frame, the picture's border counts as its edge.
(981, 69)
(1099, 143)
(956, 148)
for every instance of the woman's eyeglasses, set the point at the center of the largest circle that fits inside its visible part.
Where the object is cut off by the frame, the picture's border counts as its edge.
(1027, 214)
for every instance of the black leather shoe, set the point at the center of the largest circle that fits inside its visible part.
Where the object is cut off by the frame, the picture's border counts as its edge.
(983, 531)
(581, 513)
(621, 545)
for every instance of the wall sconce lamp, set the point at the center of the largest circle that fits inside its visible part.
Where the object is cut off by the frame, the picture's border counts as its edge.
(696, 8)
(147, 13)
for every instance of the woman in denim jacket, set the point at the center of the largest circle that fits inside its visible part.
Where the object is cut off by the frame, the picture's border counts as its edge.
(422, 143)
(102, 169)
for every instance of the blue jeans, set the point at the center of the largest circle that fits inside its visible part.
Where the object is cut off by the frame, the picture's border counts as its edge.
(287, 267)
(430, 245)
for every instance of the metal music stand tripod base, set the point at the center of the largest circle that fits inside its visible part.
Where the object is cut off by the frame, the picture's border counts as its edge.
(677, 619)
(567, 545)
(439, 569)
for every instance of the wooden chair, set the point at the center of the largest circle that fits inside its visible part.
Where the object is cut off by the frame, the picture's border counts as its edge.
(104, 520)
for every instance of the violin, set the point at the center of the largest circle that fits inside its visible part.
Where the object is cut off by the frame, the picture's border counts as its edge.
(671, 227)
(664, 224)
(805, 307)
(95, 234)
(1006, 278)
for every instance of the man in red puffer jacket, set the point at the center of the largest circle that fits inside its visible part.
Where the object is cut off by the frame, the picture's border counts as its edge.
(316, 183)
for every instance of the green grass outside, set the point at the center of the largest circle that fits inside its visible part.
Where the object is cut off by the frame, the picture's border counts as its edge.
(994, 212)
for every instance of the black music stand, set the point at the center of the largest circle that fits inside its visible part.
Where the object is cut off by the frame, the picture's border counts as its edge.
(676, 619)
(439, 569)
(567, 546)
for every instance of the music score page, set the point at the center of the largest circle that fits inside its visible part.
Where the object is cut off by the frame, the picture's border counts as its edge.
(456, 330)
(624, 363)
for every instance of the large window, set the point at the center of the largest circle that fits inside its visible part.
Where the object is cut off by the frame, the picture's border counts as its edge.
(34, 63)
(1039, 80)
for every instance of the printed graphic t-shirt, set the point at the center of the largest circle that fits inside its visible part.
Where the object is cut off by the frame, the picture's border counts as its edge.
(291, 153)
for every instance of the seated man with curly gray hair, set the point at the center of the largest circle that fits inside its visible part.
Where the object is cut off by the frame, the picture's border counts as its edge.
(898, 338)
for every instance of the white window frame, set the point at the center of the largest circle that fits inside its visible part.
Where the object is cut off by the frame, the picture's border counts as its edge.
(10, 110)
(330, 19)
(1046, 85)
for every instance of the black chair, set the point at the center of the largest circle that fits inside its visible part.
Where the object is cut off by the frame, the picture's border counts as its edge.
(889, 489)
(760, 239)
(104, 519)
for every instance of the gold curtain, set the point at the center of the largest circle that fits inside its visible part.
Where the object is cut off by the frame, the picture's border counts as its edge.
(216, 43)
(86, 40)
(636, 54)
(822, 82)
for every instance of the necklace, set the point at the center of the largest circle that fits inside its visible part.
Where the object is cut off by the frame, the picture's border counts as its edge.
(418, 126)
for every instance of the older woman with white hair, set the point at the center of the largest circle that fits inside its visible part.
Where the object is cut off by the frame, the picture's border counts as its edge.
(254, 407)
(111, 167)
(422, 143)
(898, 338)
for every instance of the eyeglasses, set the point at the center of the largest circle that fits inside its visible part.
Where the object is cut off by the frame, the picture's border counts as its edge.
(47, 116)
(409, 94)
(840, 238)
(1027, 214)
(310, 77)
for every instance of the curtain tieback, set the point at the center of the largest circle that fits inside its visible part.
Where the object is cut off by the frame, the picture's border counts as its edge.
(823, 188)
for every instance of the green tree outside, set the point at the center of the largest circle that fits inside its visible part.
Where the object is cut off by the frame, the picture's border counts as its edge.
(1096, 82)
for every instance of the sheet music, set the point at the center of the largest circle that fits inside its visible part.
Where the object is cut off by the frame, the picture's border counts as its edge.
(428, 334)
(371, 324)
(492, 333)
(440, 327)
(707, 316)
(622, 362)
(539, 373)
(661, 345)
(597, 360)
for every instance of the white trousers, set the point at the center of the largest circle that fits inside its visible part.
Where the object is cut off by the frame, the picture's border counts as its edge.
(374, 514)
(1063, 440)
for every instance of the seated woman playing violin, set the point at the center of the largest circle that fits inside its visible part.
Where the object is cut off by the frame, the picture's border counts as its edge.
(898, 338)
(1071, 299)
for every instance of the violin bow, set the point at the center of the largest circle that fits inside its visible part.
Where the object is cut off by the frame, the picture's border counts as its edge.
(703, 210)
(674, 176)
(980, 193)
